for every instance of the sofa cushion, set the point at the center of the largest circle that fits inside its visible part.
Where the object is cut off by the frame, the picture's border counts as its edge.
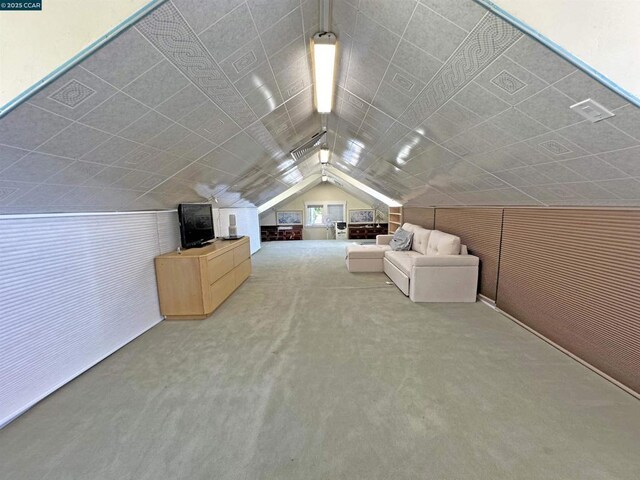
(402, 260)
(441, 243)
(401, 240)
(366, 251)
(410, 227)
(383, 239)
(421, 240)
(446, 261)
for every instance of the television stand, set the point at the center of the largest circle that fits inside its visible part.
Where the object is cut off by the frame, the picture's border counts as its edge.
(194, 282)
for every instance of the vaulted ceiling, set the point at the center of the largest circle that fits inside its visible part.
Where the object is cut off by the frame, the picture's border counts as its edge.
(439, 102)
(337, 182)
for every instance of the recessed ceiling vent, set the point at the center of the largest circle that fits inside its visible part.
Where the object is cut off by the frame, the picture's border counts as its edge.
(309, 147)
(591, 110)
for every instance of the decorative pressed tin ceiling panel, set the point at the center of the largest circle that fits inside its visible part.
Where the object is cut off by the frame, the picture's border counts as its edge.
(507, 82)
(72, 94)
(490, 37)
(169, 32)
(437, 103)
(555, 147)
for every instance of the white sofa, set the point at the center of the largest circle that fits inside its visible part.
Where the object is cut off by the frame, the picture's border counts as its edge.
(436, 269)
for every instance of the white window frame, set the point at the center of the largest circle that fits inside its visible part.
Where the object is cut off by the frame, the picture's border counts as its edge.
(325, 209)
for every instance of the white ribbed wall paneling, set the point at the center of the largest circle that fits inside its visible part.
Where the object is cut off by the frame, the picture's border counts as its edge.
(247, 221)
(73, 289)
(168, 231)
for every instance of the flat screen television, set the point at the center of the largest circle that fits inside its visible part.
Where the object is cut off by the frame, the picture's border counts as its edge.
(196, 224)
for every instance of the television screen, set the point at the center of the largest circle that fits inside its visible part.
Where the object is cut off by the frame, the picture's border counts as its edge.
(196, 224)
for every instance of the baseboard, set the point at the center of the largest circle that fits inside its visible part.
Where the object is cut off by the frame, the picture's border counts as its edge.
(628, 390)
(486, 300)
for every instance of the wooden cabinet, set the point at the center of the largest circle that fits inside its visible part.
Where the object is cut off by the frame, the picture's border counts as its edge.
(271, 233)
(194, 282)
(366, 232)
(395, 218)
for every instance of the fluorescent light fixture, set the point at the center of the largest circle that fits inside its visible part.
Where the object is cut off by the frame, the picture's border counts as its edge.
(324, 178)
(324, 155)
(324, 61)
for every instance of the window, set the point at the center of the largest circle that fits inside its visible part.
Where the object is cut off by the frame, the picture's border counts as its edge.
(335, 211)
(318, 214)
(314, 214)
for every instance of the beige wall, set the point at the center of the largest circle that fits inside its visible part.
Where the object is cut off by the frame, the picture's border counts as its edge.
(602, 33)
(322, 193)
(35, 43)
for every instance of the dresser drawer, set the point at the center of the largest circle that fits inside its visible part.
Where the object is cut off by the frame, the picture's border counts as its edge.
(241, 253)
(242, 272)
(221, 289)
(220, 266)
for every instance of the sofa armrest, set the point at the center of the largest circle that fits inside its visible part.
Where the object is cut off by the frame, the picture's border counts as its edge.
(445, 261)
(383, 239)
(444, 278)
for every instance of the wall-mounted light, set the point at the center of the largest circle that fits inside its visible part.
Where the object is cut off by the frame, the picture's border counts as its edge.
(324, 178)
(324, 64)
(324, 155)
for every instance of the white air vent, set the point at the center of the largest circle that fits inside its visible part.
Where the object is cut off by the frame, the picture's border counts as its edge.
(309, 146)
(591, 110)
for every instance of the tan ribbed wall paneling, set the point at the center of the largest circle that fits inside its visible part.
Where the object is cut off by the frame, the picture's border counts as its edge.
(480, 230)
(574, 276)
(422, 216)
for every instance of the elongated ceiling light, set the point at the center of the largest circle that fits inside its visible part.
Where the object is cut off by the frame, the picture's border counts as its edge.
(324, 155)
(324, 62)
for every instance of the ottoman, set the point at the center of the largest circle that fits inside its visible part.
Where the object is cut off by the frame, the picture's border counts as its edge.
(365, 258)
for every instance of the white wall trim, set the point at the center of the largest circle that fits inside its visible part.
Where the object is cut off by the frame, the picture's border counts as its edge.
(78, 214)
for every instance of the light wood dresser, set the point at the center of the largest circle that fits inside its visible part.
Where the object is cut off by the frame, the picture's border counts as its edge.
(194, 282)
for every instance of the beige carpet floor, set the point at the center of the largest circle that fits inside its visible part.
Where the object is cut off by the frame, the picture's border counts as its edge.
(309, 372)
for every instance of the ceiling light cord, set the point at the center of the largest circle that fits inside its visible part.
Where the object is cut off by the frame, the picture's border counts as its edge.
(325, 15)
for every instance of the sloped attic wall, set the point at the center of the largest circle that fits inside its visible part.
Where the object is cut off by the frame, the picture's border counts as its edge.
(449, 105)
(162, 115)
(437, 103)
